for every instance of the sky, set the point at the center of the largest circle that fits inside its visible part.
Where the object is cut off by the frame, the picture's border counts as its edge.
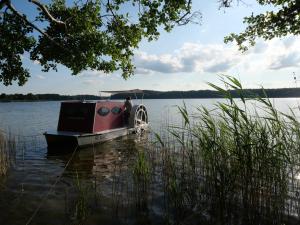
(185, 59)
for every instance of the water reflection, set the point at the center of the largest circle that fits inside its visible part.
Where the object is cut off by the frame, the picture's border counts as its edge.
(60, 185)
(100, 160)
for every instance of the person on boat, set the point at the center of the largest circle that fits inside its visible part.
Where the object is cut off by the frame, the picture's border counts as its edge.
(128, 107)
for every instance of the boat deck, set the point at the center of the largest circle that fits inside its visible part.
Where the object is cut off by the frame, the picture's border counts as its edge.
(72, 139)
(80, 134)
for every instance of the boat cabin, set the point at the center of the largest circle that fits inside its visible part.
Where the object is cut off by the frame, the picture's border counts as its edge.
(91, 117)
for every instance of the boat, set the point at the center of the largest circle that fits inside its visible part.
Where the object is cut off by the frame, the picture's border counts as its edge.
(85, 123)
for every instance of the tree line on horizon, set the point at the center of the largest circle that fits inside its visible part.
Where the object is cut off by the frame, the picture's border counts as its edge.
(44, 97)
(150, 94)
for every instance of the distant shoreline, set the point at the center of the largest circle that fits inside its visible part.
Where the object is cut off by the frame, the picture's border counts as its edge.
(149, 94)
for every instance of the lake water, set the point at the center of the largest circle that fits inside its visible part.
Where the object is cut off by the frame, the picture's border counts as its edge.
(34, 118)
(42, 189)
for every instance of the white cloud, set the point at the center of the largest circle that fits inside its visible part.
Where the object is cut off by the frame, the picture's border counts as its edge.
(191, 57)
(142, 71)
(259, 48)
(291, 59)
(277, 54)
(36, 62)
(220, 58)
(289, 41)
(165, 63)
(89, 82)
(41, 77)
(93, 73)
(219, 67)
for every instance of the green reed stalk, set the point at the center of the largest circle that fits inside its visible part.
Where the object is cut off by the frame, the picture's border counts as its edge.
(232, 158)
(81, 209)
(7, 152)
(141, 177)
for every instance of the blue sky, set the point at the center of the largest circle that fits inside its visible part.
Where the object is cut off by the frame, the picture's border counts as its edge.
(184, 59)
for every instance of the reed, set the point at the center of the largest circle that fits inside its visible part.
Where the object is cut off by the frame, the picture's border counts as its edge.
(141, 179)
(235, 162)
(7, 152)
(81, 208)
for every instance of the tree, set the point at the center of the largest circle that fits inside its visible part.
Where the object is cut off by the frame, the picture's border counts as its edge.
(89, 34)
(102, 34)
(3, 96)
(282, 21)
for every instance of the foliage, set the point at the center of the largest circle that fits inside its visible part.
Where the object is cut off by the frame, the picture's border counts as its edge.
(283, 20)
(102, 35)
(232, 162)
(91, 34)
(14, 42)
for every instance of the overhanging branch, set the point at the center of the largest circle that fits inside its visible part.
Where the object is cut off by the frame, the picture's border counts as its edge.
(47, 13)
(194, 18)
(23, 17)
(188, 17)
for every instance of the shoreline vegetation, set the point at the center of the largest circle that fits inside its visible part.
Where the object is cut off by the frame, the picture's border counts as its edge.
(228, 165)
(7, 152)
(150, 94)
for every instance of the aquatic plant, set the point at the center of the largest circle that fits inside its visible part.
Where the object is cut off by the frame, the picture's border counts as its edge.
(236, 161)
(7, 152)
(81, 205)
(141, 178)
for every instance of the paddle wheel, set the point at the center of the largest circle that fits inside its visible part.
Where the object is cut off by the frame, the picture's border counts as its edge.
(138, 118)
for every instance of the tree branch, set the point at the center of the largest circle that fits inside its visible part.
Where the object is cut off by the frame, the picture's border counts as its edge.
(3, 3)
(187, 12)
(110, 9)
(183, 20)
(194, 18)
(46, 12)
(106, 15)
(23, 17)
(228, 3)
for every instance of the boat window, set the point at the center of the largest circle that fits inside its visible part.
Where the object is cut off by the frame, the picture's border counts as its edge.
(116, 110)
(103, 111)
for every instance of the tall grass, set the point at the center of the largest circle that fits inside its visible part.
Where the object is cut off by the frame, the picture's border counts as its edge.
(236, 163)
(141, 175)
(80, 208)
(7, 152)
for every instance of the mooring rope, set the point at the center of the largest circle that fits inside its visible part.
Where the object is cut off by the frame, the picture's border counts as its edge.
(50, 189)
